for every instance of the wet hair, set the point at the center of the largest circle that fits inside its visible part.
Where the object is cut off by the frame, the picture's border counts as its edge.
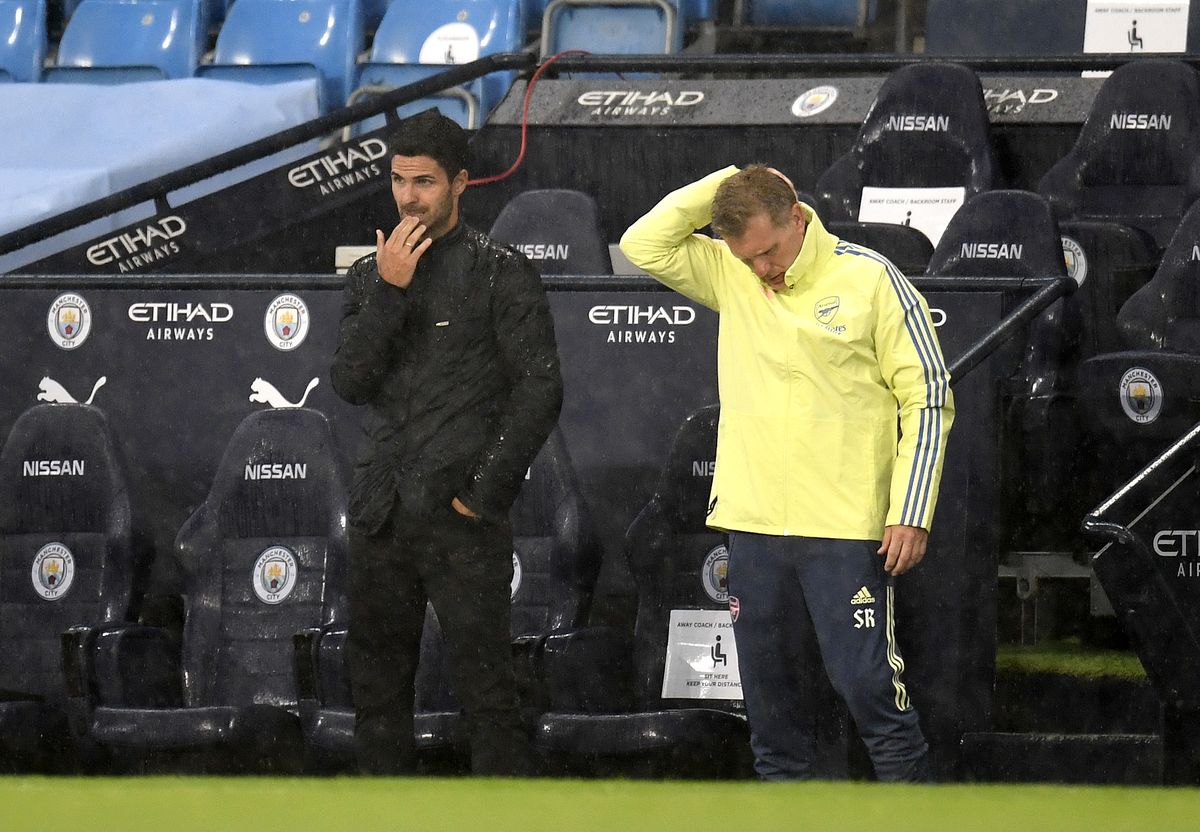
(429, 133)
(751, 191)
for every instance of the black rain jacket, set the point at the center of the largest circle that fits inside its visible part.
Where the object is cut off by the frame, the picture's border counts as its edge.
(459, 374)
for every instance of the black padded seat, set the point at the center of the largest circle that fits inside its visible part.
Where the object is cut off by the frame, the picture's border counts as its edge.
(66, 560)
(264, 557)
(677, 564)
(928, 127)
(1137, 158)
(558, 229)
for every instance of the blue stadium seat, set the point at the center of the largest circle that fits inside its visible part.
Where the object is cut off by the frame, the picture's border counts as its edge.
(555, 563)
(269, 41)
(263, 558)
(22, 39)
(417, 39)
(66, 556)
(114, 41)
(832, 14)
(1017, 27)
(928, 127)
(678, 564)
(559, 230)
(612, 26)
(1137, 158)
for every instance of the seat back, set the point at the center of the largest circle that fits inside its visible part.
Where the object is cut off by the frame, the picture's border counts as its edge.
(264, 557)
(166, 34)
(66, 555)
(823, 14)
(628, 27)
(1165, 313)
(559, 230)
(22, 39)
(1001, 234)
(677, 562)
(927, 128)
(1137, 159)
(288, 39)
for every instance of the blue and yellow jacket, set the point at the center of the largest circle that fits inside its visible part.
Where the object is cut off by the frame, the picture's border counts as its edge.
(811, 378)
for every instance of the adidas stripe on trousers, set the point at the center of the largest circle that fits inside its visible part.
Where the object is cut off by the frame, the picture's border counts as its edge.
(802, 602)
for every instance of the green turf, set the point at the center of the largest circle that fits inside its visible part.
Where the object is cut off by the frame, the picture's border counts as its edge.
(1069, 659)
(356, 805)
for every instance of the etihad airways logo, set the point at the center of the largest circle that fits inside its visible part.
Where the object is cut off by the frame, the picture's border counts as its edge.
(348, 167)
(918, 123)
(183, 318)
(644, 324)
(1140, 121)
(145, 245)
(635, 103)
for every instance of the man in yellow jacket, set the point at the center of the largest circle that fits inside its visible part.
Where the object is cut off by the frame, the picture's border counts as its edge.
(835, 408)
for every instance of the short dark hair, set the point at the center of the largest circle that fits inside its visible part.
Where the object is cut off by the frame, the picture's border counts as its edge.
(429, 133)
(751, 191)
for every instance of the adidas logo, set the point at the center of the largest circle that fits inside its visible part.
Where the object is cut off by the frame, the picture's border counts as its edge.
(862, 597)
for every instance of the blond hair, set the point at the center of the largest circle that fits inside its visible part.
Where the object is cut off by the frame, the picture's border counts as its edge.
(751, 191)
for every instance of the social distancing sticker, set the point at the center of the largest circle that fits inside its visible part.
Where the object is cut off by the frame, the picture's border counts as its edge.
(926, 209)
(1134, 27)
(702, 660)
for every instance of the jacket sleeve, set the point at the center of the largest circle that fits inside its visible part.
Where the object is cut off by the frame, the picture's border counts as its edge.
(911, 362)
(525, 335)
(664, 244)
(372, 313)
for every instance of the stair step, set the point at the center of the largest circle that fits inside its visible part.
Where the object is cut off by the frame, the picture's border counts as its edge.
(1102, 759)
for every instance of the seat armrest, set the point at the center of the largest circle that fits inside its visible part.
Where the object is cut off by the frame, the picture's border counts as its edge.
(123, 665)
(589, 670)
(322, 671)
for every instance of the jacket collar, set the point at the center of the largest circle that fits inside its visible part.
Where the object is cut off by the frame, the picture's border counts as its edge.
(818, 245)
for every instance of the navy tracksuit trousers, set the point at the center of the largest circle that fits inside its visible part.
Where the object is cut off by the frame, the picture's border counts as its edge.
(799, 601)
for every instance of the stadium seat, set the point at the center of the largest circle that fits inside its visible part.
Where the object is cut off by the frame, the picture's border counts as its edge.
(1017, 27)
(559, 230)
(67, 557)
(1137, 158)
(417, 39)
(269, 41)
(116, 41)
(630, 27)
(263, 558)
(832, 14)
(679, 567)
(22, 39)
(555, 564)
(927, 129)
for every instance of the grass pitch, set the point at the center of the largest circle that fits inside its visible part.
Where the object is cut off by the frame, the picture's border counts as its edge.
(172, 804)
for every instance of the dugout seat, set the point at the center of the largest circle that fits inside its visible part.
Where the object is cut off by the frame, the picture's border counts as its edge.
(677, 564)
(559, 230)
(117, 41)
(555, 564)
(604, 27)
(271, 41)
(1137, 158)
(927, 128)
(262, 558)
(66, 555)
(417, 39)
(22, 39)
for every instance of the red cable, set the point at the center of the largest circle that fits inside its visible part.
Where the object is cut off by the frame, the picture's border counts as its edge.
(525, 117)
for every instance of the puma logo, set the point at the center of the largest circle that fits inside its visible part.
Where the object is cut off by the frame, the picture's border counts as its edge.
(53, 392)
(266, 392)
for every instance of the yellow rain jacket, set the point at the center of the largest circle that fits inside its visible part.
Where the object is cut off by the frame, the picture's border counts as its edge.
(811, 378)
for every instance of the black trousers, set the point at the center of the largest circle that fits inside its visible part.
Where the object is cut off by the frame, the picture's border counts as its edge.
(464, 567)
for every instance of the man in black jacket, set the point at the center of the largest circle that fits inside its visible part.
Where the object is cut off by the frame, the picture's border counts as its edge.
(446, 338)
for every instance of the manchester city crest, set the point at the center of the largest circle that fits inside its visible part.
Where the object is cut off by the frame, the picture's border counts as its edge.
(53, 571)
(1141, 395)
(69, 321)
(274, 575)
(286, 322)
(814, 101)
(715, 575)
